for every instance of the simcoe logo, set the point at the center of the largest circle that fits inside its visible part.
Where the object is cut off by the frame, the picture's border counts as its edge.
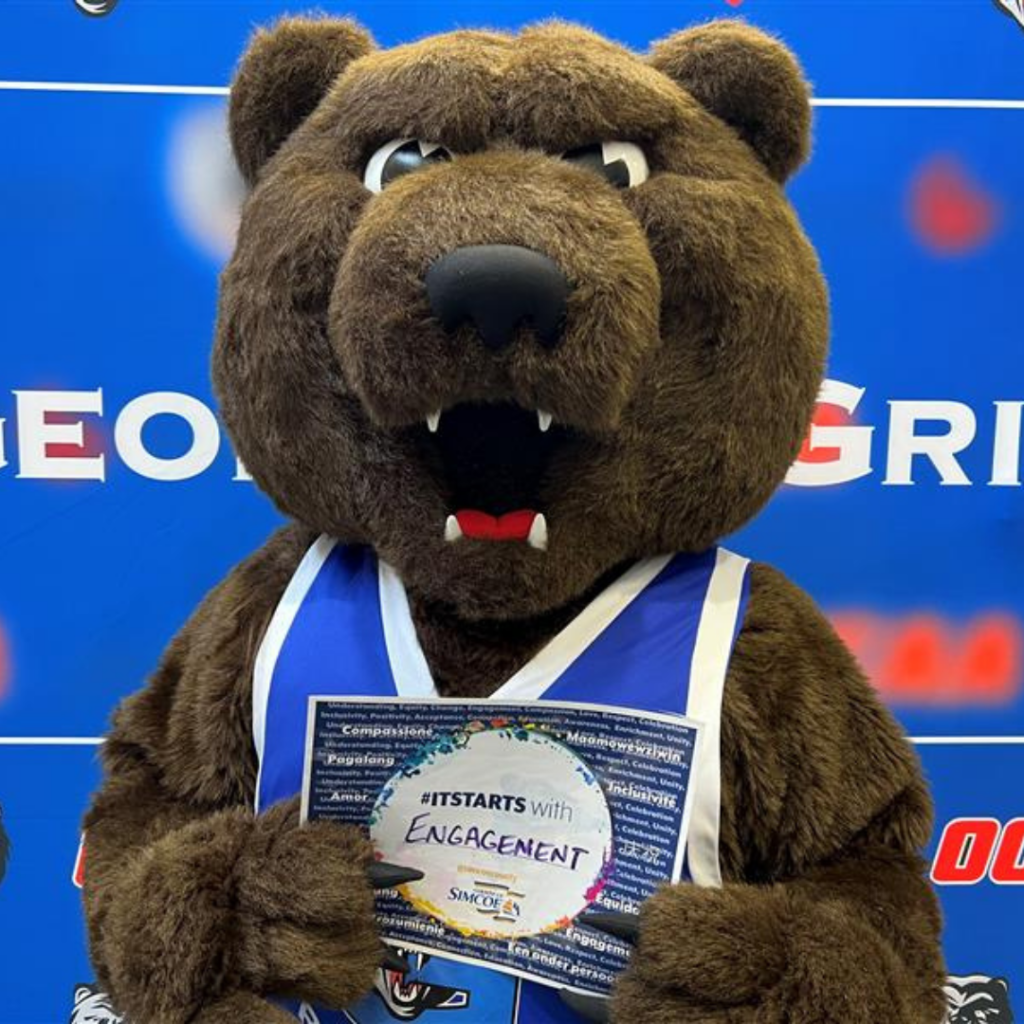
(490, 899)
(96, 8)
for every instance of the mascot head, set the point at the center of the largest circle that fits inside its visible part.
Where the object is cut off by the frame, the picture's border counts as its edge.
(516, 309)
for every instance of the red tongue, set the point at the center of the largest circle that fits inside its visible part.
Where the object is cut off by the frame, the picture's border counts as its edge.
(481, 526)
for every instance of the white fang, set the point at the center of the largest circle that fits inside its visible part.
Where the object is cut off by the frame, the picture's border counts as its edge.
(538, 535)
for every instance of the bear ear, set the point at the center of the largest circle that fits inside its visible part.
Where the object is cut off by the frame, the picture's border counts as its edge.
(749, 80)
(281, 78)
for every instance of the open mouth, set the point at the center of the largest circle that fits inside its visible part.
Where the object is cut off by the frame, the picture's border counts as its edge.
(403, 993)
(491, 463)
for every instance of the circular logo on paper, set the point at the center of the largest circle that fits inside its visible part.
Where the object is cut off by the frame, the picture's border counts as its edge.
(508, 825)
(95, 8)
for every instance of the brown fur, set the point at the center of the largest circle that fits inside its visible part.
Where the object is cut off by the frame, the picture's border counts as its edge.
(301, 60)
(751, 82)
(694, 346)
(695, 336)
(823, 812)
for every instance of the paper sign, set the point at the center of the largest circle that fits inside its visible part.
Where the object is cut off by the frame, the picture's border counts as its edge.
(521, 815)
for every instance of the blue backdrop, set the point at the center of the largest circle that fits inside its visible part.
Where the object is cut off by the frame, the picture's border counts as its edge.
(905, 517)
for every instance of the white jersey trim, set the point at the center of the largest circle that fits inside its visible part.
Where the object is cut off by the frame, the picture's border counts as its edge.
(711, 653)
(273, 640)
(532, 681)
(411, 673)
(409, 666)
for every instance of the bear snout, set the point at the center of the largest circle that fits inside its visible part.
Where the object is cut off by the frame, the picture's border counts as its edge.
(498, 288)
(503, 276)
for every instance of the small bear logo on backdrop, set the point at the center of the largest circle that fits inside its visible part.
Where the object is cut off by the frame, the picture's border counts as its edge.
(1014, 8)
(93, 1007)
(96, 8)
(978, 999)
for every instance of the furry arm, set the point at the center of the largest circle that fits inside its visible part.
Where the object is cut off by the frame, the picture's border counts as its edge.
(825, 916)
(195, 906)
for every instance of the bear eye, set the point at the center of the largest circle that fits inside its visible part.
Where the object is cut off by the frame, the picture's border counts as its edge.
(623, 164)
(398, 157)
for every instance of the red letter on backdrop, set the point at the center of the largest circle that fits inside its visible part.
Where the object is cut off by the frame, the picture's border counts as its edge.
(1007, 868)
(965, 851)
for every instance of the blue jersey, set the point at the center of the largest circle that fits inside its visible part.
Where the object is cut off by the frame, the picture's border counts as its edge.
(658, 638)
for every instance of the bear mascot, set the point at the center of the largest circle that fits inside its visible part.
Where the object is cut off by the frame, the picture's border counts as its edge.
(517, 328)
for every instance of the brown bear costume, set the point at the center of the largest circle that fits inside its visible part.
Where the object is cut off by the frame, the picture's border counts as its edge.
(680, 374)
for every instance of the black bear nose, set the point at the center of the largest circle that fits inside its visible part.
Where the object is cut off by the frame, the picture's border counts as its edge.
(497, 288)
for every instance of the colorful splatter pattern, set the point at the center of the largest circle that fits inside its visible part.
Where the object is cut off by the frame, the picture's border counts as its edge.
(514, 730)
